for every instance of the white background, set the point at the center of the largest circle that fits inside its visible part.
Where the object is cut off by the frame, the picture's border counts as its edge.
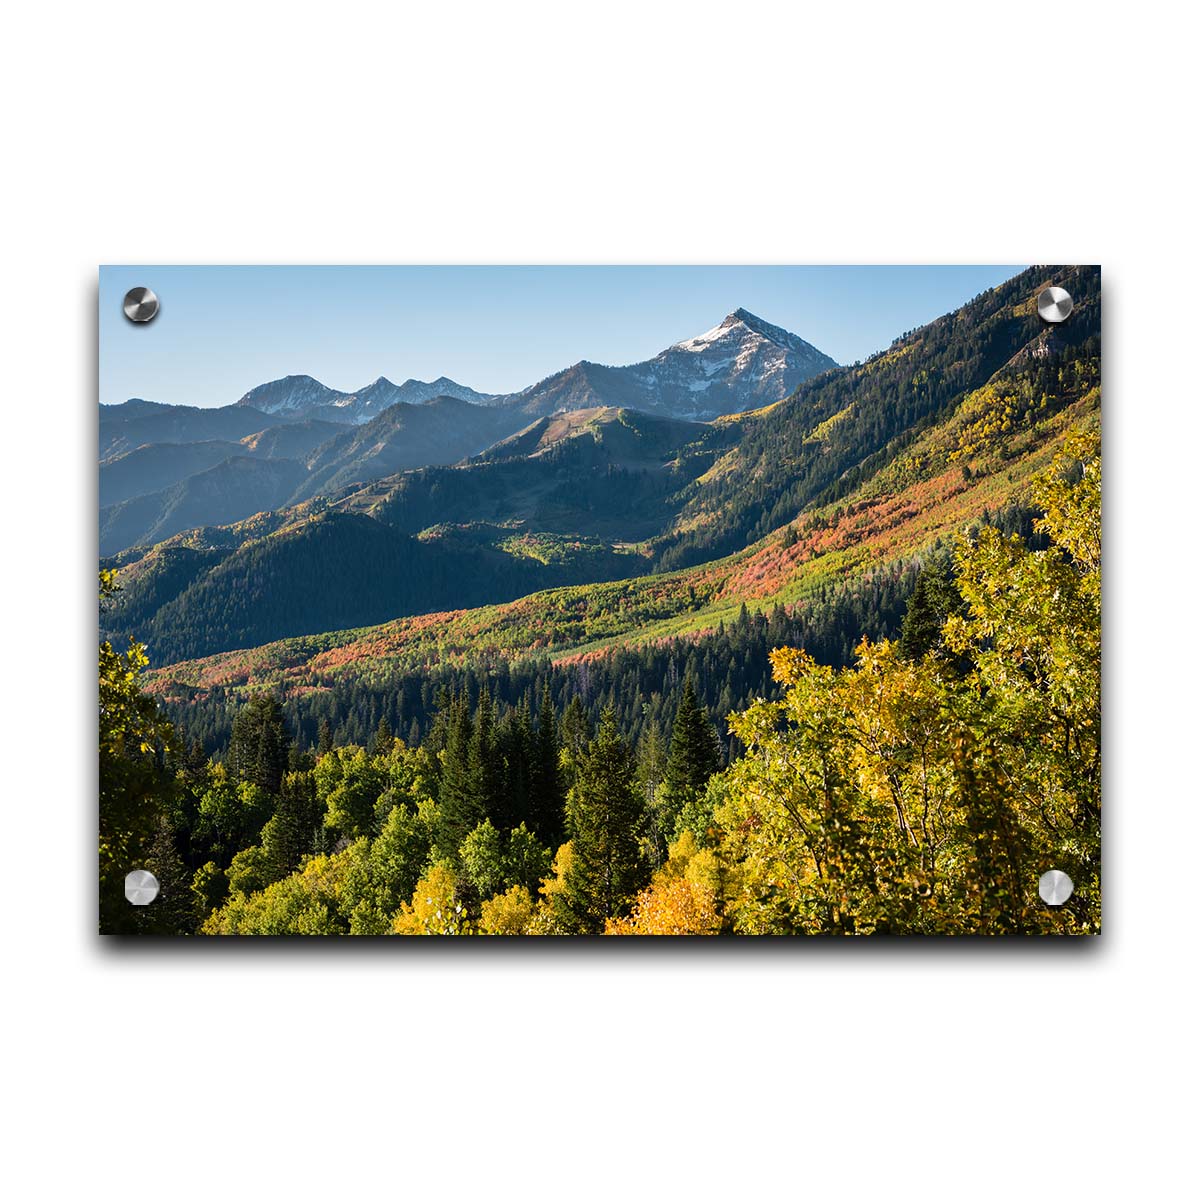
(734, 132)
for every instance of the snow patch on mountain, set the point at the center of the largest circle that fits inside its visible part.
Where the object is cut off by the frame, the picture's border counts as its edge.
(291, 394)
(302, 396)
(742, 363)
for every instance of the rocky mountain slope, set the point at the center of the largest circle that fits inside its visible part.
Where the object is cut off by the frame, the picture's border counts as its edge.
(740, 364)
(303, 396)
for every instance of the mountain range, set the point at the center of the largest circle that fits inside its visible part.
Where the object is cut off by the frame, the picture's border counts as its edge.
(167, 468)
(301, 395)
(647, 525)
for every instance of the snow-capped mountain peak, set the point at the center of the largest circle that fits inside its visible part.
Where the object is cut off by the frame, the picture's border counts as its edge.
(740, 325)
(381, 394)
(304, 396)
(292, 393)
(742, 363)
(703, 340)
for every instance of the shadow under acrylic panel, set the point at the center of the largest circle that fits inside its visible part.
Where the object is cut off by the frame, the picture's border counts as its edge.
(599, 600)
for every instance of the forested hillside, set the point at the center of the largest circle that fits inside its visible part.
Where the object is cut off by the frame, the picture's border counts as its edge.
(855, 557)
(835, 431)
(611, 494)
(829, 666)
(566, 502)
(920, 790)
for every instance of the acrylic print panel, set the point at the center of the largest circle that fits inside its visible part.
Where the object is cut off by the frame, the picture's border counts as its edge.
(417, 619)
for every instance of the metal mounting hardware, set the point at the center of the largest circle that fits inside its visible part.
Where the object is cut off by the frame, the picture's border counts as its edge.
(1055, 888)
(1055, 305)
(141, 305)
(140, 887)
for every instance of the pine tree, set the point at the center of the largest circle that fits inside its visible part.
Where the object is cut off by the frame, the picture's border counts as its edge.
(259, 744)
(514, 737)
(195, 761)
(547, 798)
(296, 820)
(574, 733)
(934, 598)
(383, 739)
(459, 811)
(482, 766)
(693, 758)
(324, 737)
(173, 910)
(603, 815)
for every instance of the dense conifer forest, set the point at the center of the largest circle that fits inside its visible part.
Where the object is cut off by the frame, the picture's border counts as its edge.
(640, 683)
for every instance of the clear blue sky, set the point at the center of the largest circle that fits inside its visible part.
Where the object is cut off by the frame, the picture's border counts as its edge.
(222, 330)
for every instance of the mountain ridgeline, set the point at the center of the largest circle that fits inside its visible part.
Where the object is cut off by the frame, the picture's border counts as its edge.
(742, 363)
(155, 454)
(847, 461)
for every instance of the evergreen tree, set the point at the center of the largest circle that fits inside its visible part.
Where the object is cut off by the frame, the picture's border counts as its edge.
(574, 733)
(195, 762)
(514, 735)
(259, 744)
(459, 810)
(693, 758)
(482, 766)
(297, 818)
(934, 598)
(547, 797)
(173, 910)
(603, 815)
(324, 737)
(382, 740)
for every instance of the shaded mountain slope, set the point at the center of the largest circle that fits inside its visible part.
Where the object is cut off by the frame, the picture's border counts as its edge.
(157, 466)
(125, 427)
(607, 473)
(227, 492)
(594, 482)
(152, 468)
(296, 439)
(405, 436)
(326, 571)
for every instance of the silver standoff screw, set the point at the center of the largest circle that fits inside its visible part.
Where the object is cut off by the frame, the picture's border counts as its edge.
(1055, 888)
(141, 305)
(140, 887)
(1054, 305)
